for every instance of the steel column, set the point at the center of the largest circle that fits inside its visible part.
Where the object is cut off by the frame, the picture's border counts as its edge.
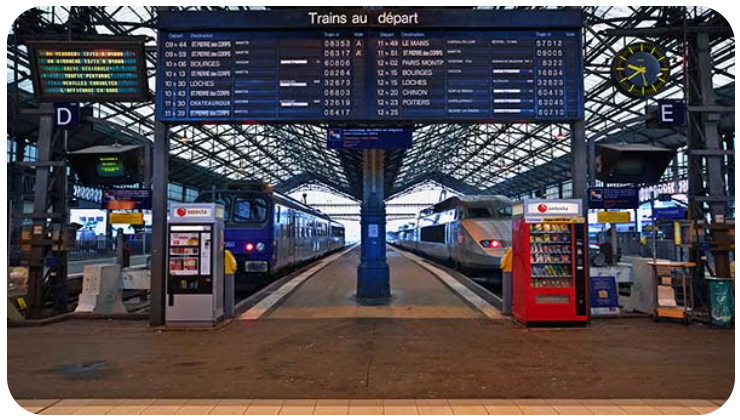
(703, 133)
(159, 222)
(36, 301)
(373, 275)
(579, 159)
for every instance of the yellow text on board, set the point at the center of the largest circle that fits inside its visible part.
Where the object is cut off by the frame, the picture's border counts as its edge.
(613, 217)
(127, 218)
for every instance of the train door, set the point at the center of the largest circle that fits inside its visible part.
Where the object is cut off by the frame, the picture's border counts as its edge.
(290, 236)
(455, 239)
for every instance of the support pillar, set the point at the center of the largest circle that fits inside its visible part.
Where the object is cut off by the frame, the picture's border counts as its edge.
(39, 250)
(706, 155)
(373, 274)
(579, 154)
(159, 223)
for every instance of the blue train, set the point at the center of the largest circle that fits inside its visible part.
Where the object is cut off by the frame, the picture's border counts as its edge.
(269, 233)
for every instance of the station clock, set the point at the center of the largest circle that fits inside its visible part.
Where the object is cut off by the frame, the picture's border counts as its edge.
(640, 70)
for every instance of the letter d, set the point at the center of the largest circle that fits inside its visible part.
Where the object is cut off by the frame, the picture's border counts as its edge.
(64, 116)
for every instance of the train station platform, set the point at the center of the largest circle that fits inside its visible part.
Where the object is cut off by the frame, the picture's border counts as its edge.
(317, 350)
(418, 290)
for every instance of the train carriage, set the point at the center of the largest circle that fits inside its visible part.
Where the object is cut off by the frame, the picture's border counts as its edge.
(269, 233)
(471, 232)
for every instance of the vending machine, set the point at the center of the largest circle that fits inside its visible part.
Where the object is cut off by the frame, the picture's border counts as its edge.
(550, 249)
(195, 264)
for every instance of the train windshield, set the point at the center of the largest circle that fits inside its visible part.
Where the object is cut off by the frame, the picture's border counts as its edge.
(504, 211)
(240, 209)
(489, 212)
(479, 213)
(249, 210)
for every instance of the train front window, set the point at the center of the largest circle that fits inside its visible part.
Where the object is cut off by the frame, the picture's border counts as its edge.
(504, 212)
(479, 213)
(249, 210)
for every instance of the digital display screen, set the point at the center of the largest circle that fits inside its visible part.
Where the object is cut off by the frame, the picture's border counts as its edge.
(370, 74)
(89, 71)
(109, 167)
(360, 138)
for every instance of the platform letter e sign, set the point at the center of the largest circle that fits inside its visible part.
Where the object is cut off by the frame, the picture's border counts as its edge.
(66, 115)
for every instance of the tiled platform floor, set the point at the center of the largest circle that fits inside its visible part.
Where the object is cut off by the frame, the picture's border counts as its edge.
(359, 407)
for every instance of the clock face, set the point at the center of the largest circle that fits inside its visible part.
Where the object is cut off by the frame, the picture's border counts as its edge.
(640, 70)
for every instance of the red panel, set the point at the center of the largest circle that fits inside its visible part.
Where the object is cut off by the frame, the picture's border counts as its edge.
(541, 304)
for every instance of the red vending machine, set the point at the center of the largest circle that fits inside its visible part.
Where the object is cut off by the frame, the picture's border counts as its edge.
(550, 249)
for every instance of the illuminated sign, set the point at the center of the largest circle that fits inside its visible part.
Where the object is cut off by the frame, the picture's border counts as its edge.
(613, 217)
(358, 138)
(127, 218)
(612, 198)
(89, 71)
(109, 167)
(127, 199)
(502, 66)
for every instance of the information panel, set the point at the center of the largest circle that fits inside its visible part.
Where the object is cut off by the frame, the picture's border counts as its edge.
(370, 75)
(89, 71)
(360, 138)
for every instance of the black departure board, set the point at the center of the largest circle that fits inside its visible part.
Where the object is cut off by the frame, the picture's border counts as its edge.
(113, 70)
(370, 74)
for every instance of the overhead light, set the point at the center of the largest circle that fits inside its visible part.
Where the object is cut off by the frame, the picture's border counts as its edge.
(561, 136)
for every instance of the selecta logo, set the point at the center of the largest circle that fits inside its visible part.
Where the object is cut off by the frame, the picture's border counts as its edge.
(542, 208)
(185, 212)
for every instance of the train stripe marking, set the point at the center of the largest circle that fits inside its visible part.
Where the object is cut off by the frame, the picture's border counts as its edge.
(486, 308)
(263, 306)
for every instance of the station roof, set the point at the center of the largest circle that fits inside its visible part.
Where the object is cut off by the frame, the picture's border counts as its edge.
(505, 159)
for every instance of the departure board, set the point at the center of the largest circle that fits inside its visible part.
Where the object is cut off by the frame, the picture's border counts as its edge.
(89, 71)
(349, 74)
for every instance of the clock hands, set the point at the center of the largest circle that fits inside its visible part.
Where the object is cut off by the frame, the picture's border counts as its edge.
(638, 70)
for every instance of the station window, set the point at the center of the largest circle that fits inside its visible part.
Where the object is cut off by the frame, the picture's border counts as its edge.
(174, 192)
(567, 189)
(190, 194)
(32, 153)
(11, 150)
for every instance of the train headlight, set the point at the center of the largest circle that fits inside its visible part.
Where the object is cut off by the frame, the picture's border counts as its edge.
(249, 247)
(491, 243)
(260, 247)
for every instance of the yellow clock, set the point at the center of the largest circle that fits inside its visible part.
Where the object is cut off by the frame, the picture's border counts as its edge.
(640, 70)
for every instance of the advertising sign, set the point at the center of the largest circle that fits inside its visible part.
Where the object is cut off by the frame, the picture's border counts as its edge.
(613, 217)
(670, 213)
(127, 218)
(613, 198)
(127, 199)
(604, 295)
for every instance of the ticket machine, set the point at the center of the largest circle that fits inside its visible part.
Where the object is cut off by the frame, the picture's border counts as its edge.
(195, 264)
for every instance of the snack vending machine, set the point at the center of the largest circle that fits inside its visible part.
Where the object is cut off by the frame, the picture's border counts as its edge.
(195, 264)
(550, 271)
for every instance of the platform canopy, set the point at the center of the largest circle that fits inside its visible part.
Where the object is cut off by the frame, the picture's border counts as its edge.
(507, 159)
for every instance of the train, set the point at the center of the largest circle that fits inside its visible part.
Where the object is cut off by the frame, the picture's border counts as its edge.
(270, 234)
(470, 233)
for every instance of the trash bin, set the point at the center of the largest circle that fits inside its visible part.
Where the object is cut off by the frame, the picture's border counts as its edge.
(229, 270)
(126, 257)
(721, 302)
(506, 280)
